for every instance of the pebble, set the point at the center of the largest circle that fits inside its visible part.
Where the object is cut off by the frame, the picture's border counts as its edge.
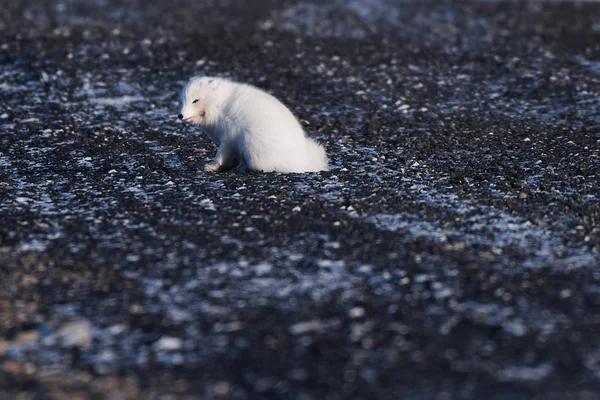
(75, 334)
(167, 343)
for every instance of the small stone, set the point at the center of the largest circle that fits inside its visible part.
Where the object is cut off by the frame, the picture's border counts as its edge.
(136, 309)
(515, 328)
(264, 269)
(357, 312)
(75, 334)
(117, 329)
(12, 367)
(167, 343)
(27, 337)
(222, 389)
(305, 327)
(4, 346)
(565, 293)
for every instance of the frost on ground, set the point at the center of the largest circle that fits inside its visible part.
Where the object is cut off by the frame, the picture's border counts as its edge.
(452, 251)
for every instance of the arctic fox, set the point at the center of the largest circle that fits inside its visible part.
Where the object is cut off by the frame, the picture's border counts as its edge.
(250, 127)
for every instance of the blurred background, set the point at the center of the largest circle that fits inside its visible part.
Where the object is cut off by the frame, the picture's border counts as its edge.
(450, 253)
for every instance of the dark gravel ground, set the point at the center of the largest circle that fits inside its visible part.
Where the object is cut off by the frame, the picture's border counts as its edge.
(452, 252)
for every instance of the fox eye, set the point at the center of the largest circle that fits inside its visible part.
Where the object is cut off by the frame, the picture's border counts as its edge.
(195, 101)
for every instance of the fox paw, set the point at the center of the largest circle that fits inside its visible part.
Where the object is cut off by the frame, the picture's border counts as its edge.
(212, 167)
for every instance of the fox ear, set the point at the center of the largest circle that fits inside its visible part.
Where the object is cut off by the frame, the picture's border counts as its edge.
(214, 83)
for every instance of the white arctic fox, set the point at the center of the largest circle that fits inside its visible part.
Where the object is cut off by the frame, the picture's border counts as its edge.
(250, 127)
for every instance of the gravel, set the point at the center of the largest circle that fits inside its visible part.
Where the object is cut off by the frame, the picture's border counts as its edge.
(452, 251)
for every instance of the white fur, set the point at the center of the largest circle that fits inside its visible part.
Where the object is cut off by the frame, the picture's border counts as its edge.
(250, 127)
